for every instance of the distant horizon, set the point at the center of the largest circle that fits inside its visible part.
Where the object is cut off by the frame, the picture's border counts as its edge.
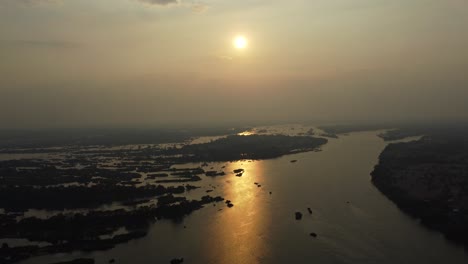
(238, 124)
(225, 128)
(182, 126)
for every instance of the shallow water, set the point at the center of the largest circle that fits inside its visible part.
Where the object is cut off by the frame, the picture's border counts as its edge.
(355, 223)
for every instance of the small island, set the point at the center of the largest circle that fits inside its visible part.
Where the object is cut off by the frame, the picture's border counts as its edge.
(143, 182)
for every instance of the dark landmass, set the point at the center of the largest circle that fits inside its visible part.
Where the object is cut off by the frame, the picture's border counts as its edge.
(44, 173)
(189, 187)
(59, 198)
(77, 261)
(250, 147)
(441, 130)
(428, 179)
(215, 173)
(82, 231)
(334, 130)
(397, 134)
(398, 130)
(177, 261)
(157, 175)
(88, 177)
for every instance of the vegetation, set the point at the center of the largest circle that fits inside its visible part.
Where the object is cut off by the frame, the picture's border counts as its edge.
(110, 137)
(59, 198)
(83, 232)
(429, 180)
(89, 177)
(250, 147)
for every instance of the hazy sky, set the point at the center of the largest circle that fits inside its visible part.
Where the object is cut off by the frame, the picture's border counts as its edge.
(147, 62)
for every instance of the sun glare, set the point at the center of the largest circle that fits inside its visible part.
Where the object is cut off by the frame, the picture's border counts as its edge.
(240, 42)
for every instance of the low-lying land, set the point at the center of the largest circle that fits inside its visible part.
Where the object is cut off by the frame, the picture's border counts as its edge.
(83, 180)
(83, 232)
(429, 180)
(250, 147)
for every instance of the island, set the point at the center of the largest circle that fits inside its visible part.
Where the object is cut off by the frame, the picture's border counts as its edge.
(144, 183)
(237, 147)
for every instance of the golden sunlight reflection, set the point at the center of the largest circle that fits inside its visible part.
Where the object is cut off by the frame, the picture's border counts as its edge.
(242, 228)
(246, 133)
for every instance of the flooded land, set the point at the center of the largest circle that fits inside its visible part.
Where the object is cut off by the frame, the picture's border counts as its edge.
(270, 194)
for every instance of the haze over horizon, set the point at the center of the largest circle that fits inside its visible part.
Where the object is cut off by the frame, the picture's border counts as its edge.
(67, 63)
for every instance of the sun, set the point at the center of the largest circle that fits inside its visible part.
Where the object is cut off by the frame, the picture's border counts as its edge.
(240, 42)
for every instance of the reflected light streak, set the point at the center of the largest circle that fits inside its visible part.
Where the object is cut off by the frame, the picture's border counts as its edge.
(246, 133)
(243, 228)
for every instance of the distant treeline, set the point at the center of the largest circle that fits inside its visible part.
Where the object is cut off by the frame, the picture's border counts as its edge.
(86, 137)
(396, 131)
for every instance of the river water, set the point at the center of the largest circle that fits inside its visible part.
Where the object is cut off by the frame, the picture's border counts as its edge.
(353, 221)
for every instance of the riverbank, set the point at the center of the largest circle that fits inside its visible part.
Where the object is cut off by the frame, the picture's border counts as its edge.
(428, 179)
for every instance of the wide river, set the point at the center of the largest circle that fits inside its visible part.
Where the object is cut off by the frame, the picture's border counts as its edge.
(354, 222)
